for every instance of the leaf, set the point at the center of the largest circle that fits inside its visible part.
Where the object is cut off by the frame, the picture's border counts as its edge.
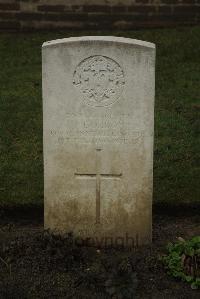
(188, 278)
(196, 239)
(197, 251)
(182, 260)
(197, 282)
(189, 251)
(180, 239)
(194, 286)
(170, 246)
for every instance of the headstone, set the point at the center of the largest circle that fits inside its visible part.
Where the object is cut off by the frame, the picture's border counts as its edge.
(98, 106)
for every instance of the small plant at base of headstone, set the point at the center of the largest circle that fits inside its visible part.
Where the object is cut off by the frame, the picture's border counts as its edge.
(183, 260)
(116, 279)
(122, 282)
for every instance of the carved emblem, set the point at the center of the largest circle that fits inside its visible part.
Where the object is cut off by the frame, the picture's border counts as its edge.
(100, 79)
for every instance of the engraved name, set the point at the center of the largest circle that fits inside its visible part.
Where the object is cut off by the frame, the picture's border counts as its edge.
(98, 130)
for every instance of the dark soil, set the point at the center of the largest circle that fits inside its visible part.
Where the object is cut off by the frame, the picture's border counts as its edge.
(36, 264)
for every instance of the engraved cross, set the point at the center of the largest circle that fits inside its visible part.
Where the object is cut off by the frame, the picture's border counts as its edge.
(98, 176)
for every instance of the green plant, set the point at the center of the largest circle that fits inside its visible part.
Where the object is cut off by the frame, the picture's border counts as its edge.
(183, 260)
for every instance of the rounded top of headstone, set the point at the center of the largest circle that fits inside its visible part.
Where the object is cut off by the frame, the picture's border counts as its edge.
(115, 39)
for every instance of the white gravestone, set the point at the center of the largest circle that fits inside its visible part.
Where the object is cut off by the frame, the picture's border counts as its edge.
(98, 106)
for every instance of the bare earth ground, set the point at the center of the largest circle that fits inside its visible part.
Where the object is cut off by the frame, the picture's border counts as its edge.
(36, 264)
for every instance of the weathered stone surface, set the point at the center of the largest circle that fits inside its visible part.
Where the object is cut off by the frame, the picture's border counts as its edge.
(98, 103)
